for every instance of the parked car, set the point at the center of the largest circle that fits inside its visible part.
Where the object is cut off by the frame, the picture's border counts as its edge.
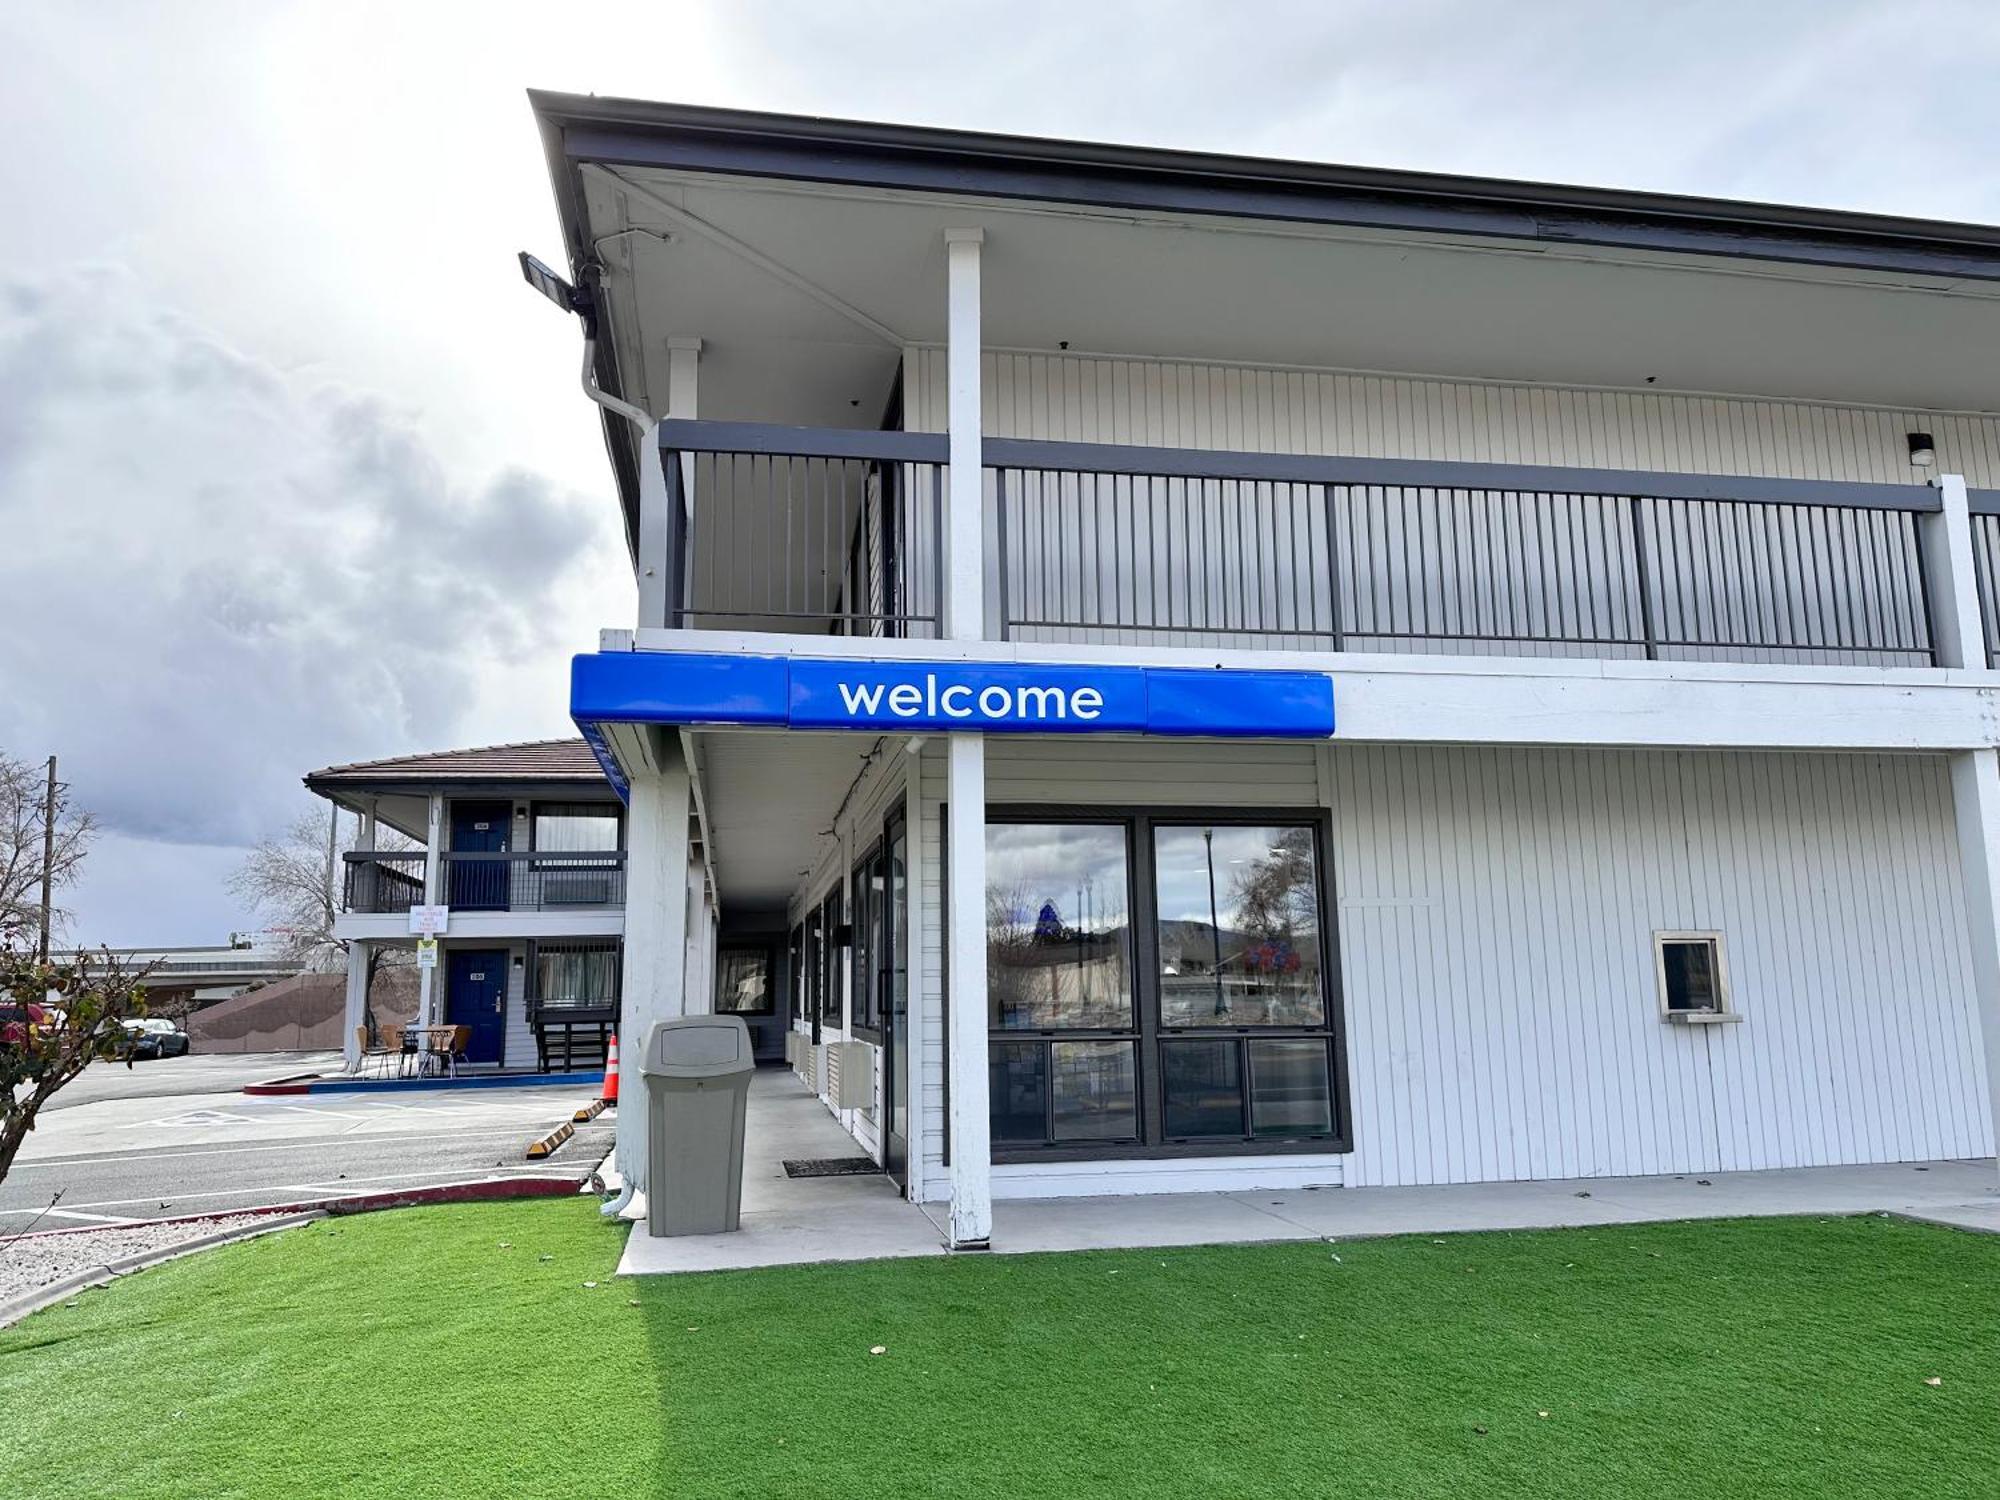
(156, 1036)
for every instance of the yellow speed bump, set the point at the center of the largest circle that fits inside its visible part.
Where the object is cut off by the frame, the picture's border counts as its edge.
(546, 1146)
(589, 1112)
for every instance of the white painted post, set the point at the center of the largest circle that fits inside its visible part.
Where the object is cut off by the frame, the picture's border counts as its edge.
(655, 528)
(1957, 627)
(433, 888)
(965, 993)
(965, 765)
(1975, 794)
(965, 505)
(655, 967)
(355, 1012)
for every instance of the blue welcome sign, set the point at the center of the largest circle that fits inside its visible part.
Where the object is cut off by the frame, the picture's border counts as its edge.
(672, 687)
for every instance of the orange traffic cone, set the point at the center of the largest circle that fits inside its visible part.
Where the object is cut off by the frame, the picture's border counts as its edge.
(610, 1094)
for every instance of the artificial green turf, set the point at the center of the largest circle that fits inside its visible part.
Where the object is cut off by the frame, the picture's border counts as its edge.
(459, 1352)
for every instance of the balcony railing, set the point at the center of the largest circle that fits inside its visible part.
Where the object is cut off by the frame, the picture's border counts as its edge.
(384, 882)
(529, 880)
(1102, 543)
(797, 529)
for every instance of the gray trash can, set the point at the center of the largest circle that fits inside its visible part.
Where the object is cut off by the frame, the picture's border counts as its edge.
(697, 1071)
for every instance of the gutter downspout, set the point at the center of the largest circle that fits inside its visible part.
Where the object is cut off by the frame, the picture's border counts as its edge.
(609, 402)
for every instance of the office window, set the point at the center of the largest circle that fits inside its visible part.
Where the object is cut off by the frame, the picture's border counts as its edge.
(743, 982)
(1224, 1042)
(576, 827)
(1693, 980)
(1058, 933)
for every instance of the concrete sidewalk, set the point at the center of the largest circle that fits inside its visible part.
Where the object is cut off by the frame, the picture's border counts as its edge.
(789, 1221)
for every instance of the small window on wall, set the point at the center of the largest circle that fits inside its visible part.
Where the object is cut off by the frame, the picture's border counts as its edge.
(1694, 982)
(743, 982)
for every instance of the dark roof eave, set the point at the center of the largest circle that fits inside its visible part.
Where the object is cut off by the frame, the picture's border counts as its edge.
(918, 158)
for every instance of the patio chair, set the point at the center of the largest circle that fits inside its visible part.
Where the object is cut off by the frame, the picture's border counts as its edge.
(461, 1038)
(365, 1052)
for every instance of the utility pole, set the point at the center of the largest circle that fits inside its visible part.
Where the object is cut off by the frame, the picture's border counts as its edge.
(48, 857)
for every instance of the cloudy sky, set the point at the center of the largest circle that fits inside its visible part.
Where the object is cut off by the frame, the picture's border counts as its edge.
(293, 469)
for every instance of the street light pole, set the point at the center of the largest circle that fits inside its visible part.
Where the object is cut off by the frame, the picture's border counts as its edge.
(48, 858)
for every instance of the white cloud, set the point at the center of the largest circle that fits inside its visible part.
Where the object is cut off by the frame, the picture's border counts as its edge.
(218, 576)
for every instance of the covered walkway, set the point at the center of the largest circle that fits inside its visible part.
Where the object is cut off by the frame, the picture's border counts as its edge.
(788, 1221)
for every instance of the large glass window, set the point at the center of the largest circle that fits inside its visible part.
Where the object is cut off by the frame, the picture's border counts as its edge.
(1238, 920)
(1058, 932)
(743, 982)
(1223, 1041)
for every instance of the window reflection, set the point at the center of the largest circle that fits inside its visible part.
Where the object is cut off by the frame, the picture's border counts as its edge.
(1058, 935)
(1096, 1097)
(1238, 915)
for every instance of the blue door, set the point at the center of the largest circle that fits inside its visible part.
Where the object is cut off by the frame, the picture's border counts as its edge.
(475, 884)
(476, 996)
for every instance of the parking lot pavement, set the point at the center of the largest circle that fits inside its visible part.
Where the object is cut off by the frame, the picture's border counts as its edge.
(149, 1150)
(196, 1073)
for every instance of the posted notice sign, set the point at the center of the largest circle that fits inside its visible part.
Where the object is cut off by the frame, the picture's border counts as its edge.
(427, 953)
(429, 921)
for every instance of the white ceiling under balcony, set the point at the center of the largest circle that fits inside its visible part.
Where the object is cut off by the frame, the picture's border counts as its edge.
(804, 296)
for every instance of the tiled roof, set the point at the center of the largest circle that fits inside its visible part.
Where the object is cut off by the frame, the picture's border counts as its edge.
(532, 760)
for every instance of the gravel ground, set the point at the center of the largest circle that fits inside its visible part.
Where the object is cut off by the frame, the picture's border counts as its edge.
(28, 1262)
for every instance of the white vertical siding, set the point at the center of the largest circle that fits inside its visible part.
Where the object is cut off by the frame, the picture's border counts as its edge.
(1496, 912)
(927, 989)
(1080, 398)
(1495, 921)
(520, 1044)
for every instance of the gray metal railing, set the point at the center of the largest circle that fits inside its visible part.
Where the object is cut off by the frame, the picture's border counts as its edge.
(383, 882)
(1986, 567)
(527, 880)
(1108, 543)
(803, 529)
(799, 529)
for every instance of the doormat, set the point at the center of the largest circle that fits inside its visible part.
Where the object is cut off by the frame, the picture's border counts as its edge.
(833, 1166)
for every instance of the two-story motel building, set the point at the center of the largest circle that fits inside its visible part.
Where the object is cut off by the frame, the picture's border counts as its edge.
(1213, 672)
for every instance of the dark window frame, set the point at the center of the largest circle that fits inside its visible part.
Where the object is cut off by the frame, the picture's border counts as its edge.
(833, 962)
(764, 951)
(533, 1000)
(864, 961)
(1152, 1144)
(795, 978)
(613, 810)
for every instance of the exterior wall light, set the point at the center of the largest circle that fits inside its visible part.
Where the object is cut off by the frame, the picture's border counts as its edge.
(1923, 452)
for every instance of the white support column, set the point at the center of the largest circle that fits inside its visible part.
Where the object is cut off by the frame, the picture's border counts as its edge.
(965, 504)
(369, 831)
(699, 997)
(354, 1014)
(1957, 629)
(433, 890)
(965, 992)
(655, 525)
(1975, 790)
(655, 967)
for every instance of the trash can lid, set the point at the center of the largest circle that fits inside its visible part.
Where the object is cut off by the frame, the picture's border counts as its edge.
(697, 1047)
